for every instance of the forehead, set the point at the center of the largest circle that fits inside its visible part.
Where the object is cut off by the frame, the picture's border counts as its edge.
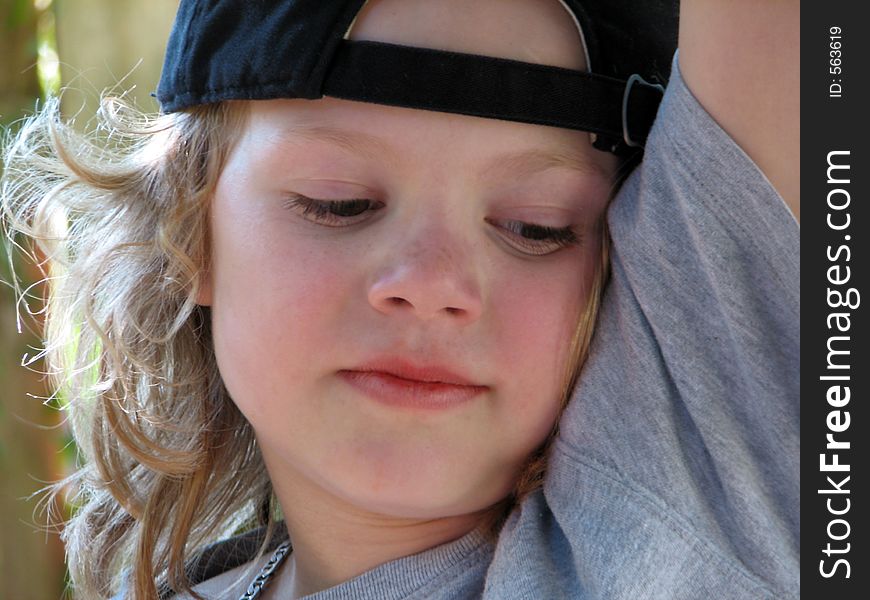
(537, 31)
(335, 130)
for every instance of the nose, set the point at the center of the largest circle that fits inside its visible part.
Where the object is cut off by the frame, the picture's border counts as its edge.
(428, 276)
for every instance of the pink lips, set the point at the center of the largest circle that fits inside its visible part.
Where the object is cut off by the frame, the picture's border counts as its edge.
(399, 383)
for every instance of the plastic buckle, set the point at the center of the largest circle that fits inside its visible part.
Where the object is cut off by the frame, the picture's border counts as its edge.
(631, 81)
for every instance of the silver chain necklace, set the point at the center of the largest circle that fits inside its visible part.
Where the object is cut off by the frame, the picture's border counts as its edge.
(265, 575)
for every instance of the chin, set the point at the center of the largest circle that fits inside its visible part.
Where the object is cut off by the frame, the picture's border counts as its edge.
(421, 493)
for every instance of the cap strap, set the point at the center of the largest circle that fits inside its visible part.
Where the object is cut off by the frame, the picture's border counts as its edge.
(491, 87)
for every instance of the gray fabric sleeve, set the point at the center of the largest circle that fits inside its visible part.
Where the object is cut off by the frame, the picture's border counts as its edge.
(690, 397)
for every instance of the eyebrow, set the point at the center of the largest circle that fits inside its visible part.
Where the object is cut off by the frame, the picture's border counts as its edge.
(528, 162)
(356, 142)
(519, 164)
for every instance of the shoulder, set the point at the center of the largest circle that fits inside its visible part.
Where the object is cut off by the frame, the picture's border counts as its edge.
(225, 568)
(230, 584)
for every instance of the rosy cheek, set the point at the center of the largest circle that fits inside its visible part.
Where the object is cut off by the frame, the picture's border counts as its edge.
(275, 300)
(538, 319)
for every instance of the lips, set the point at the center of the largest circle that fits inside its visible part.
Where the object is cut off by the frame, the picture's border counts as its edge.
(429, 373)
(397, 382)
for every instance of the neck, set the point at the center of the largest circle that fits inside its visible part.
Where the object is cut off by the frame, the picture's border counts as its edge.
(334, 541)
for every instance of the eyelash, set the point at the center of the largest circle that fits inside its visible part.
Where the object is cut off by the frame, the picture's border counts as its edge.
(329, 212)
(537, 240)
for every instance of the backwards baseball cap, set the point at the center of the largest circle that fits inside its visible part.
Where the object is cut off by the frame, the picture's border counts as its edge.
(261, 49)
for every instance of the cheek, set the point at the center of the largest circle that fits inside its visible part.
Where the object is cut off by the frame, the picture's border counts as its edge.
(540, 314)
(275, 301)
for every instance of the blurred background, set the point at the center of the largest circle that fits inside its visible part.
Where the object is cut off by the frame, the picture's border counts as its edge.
(79, 48)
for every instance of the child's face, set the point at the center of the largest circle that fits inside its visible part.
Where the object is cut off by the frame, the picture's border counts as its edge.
(428, 271)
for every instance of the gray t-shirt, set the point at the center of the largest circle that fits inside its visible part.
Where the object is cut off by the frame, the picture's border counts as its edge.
(676, 471)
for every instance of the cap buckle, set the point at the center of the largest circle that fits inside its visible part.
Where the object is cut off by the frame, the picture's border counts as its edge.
(626, 136)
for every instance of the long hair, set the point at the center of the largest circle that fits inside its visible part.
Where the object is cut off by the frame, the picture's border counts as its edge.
(119, 223)
(118, 220)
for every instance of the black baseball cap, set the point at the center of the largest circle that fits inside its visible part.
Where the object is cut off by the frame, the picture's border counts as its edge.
(261, 49)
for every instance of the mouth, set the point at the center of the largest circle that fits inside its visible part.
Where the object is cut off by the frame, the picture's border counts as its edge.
(404, 385)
